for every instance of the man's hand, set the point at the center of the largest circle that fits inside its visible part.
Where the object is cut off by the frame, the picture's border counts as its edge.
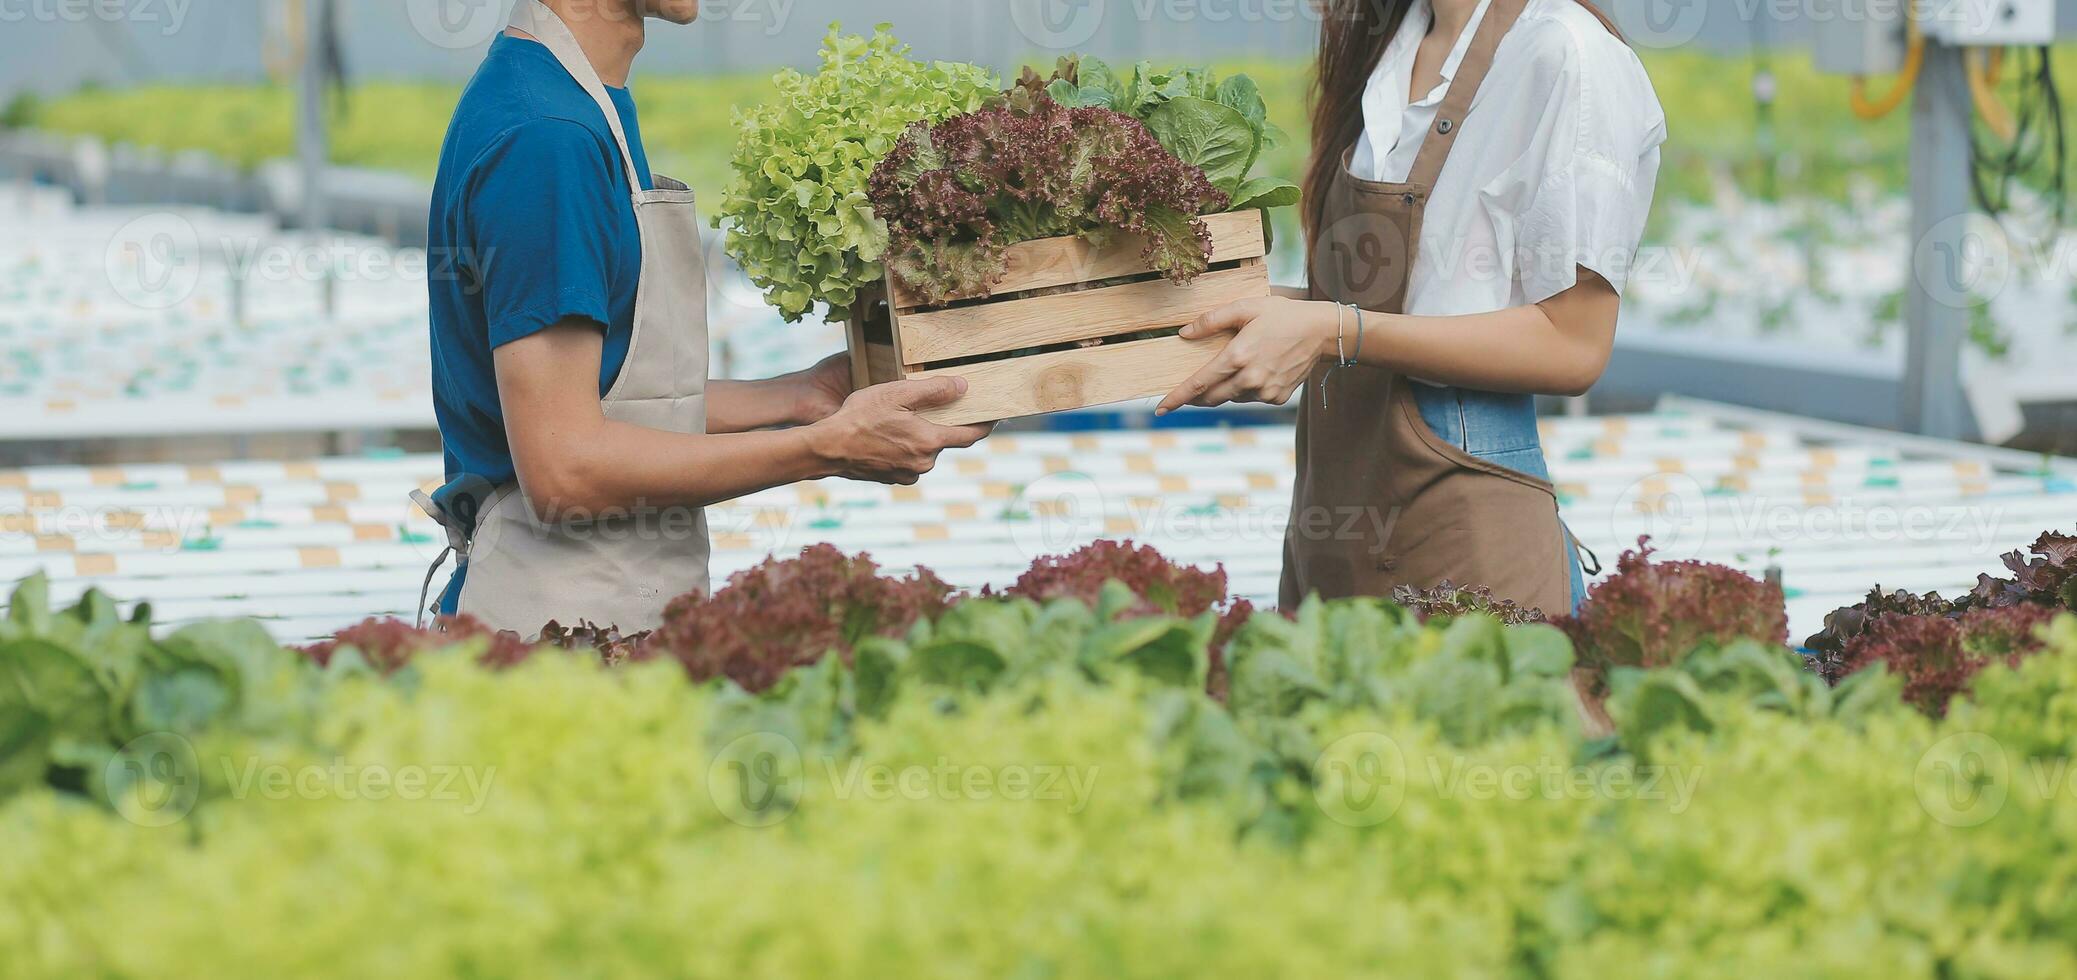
(819, 391)
(877, 435)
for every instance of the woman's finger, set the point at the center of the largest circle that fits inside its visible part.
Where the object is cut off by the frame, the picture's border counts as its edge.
(1187, 393)
(1226, 319)
(1224, 393)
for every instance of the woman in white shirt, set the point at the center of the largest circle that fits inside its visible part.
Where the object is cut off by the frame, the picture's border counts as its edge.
(1480, 177)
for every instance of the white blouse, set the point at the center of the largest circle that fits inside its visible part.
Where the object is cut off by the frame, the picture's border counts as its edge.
(1553, 169)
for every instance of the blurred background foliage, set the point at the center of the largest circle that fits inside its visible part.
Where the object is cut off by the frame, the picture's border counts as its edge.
(1716, 145)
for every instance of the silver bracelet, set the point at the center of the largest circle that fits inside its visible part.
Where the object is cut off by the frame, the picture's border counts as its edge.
(1341, 348)
(1341, 351)
(1359, 336)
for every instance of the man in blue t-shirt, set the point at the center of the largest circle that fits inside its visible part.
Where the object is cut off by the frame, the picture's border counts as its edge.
(538, 258)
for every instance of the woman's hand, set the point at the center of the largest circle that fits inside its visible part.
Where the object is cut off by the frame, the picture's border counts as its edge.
(1277, 341)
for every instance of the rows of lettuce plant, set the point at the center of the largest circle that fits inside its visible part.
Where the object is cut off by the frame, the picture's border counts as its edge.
(1108, 769)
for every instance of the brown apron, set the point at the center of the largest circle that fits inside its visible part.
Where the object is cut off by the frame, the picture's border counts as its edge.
(1380, 501)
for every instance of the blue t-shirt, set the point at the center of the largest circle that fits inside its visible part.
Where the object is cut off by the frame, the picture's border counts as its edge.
(532, 223)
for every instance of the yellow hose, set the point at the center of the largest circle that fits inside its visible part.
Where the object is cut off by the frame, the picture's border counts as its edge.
(1907, 79)
(1983, 89)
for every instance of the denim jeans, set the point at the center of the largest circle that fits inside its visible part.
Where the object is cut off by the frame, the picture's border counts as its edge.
(1499, 428)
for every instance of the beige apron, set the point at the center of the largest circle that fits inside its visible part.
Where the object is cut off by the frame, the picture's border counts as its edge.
(1380, 501)
(617, 569)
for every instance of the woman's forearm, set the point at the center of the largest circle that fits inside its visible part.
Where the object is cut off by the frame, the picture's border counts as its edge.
(1558, 347)
(1514, 350)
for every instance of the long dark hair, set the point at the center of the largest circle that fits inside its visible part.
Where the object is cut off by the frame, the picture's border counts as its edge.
(1353, 37)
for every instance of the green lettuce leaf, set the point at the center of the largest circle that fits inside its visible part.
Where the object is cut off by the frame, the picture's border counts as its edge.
(1265, 192)
(1212, 137)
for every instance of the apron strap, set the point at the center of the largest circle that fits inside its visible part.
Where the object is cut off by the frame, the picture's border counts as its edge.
(537, 20)
(1471, 74)
(425, 588)
(460, 528)
(1589, 562)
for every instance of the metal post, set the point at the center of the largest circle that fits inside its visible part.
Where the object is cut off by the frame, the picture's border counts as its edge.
(1937, 297)
(312, 145)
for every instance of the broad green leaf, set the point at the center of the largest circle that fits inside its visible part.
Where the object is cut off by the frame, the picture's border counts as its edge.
(29, 608)
(1538, 650)
(1114, 641)
(1460, 693)
(1265, 192)
(876, 663)
(1080, 96)
(266, 682)
(24, 749)
(1058, 634)
(1477, 637)
(1273, 136)
(1269, 680)
(1097, 75)
(42, 678)
(1114, 599)
(181, 700)
(1240, 94)
(1660, 701)
(1212, 137)
(1865, 693)
(96, 610)
(1177, 656)
(960, 664)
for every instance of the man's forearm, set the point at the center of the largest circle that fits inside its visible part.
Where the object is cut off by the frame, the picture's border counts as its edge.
(745, 406)
(622, 466)
(571, 458)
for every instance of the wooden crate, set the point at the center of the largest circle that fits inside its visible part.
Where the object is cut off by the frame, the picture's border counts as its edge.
(1030, 347)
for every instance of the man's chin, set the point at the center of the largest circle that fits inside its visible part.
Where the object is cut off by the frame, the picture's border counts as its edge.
(675, 11)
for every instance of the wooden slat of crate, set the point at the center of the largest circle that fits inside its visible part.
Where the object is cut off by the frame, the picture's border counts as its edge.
(854, 340)
(1066, 261)
(882, 364)
(1007, 325)
(1041, 383)
(871, 362)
